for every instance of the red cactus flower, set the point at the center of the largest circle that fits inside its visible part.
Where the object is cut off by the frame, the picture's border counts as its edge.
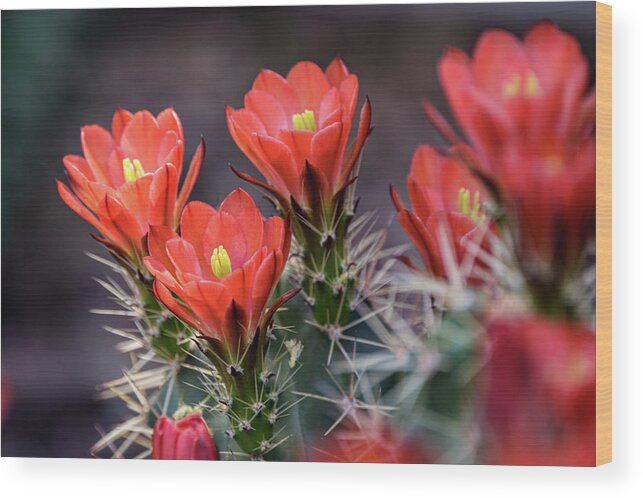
(128, 179)
(369, 440)
(187, 439)
(299, 126)
(447, 222)
(223, 268)
(541, 392)
(526, 109)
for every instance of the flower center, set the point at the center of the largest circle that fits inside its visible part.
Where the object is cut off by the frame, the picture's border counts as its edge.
(132, 170)
(469, 209)
(554, 165)
(522, 86)
(220, 262)
(304, 121)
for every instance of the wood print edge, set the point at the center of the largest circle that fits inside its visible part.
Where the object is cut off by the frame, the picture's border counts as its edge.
(603, 233)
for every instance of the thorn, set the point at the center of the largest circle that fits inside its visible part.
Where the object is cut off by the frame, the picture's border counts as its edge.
(258, 407)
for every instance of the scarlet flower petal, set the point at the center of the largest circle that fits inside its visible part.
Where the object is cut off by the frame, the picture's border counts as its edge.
(480, 116)
(265, 282)
(349, 89)
(97, 147)
(278, 87)
(78, 207)
(194, 223)
(281, 160)
(209, 301)
(269, 110)
(325, 153)
(555, 56)
(298, 141)
(135, 197)
(88, 191)
(184, 314)
(498, 58)
(190, 180)
(157, 239)
(168, 120)
(224, 229)
(309, 83)
(423, 240)
(355, 149)
(79, 164)
(241, 206)
(336, 72)
(330, 107)
(122, 224)
(245, 127)
(275, 234)
(162, 195)
(120, 120)
(395, 197)
(184, 259)
(141, 140)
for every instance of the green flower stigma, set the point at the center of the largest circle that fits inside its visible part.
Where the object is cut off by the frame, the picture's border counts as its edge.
(220, 262)
(468, 209)
(132, 170)
(304, 121)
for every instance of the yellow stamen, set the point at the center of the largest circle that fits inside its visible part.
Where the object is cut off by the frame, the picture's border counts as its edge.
(512, 89)
(554, 165)
(522, 86)
(466, 208)
(132, 171)
(304, 121)
(220, 262)
(476, 206)
(532, 86)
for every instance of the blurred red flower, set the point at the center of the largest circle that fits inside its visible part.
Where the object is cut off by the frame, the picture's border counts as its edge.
(6, 397)
(128, 179)
(447, 223)
(187, 439)
(369, 439)
(295, 130)
(541, 392)
(223, 268)
(526, 109)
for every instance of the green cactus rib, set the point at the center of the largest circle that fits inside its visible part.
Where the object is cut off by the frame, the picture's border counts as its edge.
(248, 390)
(168, 336)
(327, 280)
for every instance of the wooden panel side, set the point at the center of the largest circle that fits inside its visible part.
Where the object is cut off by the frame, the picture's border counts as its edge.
(603, 233)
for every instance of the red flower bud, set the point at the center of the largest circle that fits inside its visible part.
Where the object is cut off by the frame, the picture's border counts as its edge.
(187, 439)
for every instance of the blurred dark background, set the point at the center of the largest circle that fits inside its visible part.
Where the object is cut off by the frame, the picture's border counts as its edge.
(62, 69)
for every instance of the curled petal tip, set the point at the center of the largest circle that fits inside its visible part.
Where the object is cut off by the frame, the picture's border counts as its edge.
(397, 202)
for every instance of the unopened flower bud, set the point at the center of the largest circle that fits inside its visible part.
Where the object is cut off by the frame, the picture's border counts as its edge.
(187, 439)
